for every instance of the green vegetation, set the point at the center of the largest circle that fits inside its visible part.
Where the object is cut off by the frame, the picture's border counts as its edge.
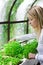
(7, 60)
(13, 52)
(30, 47)
(13, 48)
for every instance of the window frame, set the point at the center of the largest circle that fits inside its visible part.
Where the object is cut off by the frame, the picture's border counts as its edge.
(14, 22)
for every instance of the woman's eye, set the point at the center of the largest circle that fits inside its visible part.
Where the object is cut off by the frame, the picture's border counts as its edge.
(30, 18)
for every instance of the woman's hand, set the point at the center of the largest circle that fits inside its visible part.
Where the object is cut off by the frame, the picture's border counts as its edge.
(31, 56)
(12, 40)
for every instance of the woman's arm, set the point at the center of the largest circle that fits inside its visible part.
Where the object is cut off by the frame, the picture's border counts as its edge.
(24, 37)
(39, 56)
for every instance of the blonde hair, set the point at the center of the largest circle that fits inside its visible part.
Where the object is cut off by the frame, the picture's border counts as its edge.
(37, 12)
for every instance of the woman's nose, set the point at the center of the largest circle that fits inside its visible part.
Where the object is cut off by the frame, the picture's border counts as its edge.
(29, 22)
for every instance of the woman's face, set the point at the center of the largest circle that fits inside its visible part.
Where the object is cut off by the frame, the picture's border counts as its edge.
(33, 22)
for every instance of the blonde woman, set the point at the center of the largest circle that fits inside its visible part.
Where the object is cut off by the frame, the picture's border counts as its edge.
(35, 15)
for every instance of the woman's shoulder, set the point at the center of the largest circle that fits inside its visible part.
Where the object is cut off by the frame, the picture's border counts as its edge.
(41, 35)
(42, 29)
(42, 32)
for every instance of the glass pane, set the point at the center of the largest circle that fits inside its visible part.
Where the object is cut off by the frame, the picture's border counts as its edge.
(3, 34)
(17, 29)
(3, 5)
(14, 10)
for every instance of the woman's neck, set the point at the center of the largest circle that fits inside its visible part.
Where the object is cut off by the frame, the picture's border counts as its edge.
(37, 31)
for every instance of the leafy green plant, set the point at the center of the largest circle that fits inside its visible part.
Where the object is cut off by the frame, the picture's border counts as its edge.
(20, 56)
(8, 60)
(14, 52)
(13, 48)
(30, 47)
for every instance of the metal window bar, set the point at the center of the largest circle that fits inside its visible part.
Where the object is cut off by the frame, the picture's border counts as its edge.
(14, 21)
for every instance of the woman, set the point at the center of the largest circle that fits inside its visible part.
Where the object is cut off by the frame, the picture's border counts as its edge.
(35, 15)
